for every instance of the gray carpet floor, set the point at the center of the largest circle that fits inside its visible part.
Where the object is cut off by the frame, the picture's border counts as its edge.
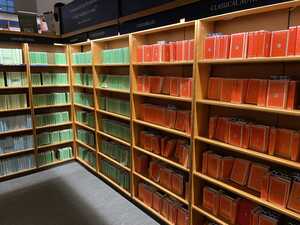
(66, 195)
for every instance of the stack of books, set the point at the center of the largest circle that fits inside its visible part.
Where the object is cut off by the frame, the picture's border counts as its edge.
(116, 151)
(54, 137)
(117, 129)
(14, 79)
(16, 164)
(65, 153)
(14, 144)
(59, 98)
(40, 79)
(115, 82)
(121, 177)
(45, 158)
(47, 58)
(86, 118)
(85, 79)
(82, 57)
(10, 123)
(15, 101)
(115, 105)
(11, 56)
(86, 137)
(84, 99)
(117, 55)
(87, 156)
(52, 118)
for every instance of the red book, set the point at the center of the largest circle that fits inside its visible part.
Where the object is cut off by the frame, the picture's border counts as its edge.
(148, 195)
(166, 178)
(183, 158)
(294, 198)
(183, 121)
(255, 213)
(186, 50)
(264, 192)
(166, 86)
(240, 171)
(238, 47)
(226, 168)
(257, 172)
(165, 207)
(140, 83)
(182, 216)
(178, 184)
(157, 53)
(156, 84)
(267, 220)
(142, 138)
(226, 89)
(148, 53)
(295, 146)
(224, 45)
(171, 115)
(244, 212)
(246, 135)
(146, 87)
(239, 91)
(259, 138)
(228, 208)
(252, 43)
(214, 165)
(252, 96)
(209, 47)
(272, 140)
(169, 148)
(191, 49)
(214, 87)
(142, 164)
(263, 43)
(155, 144)
(157, 201)
(175, 86)
(212, 127)
(173, 51)
(141, 188)
(283, 143)
(297, 50)
(165, 52)
(211, 200)
(147, 141)
(172, 215)
(235, 136)
(185, 87)
(279, 189)
(140, 54)
(222, 129)
(292, 95)
(279, 43)
(179, 50)
(292, 38)
(205, 161)
(154, 171)
(277, 93)
(262, 93)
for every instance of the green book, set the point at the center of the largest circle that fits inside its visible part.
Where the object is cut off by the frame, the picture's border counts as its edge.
(36, 79)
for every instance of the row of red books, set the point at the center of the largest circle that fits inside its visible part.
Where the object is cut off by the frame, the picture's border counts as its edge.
(174, 86)
(169, 117)
(166, 206)
(266, 93)
(253, 44)
(240, 171)
(261, 138)
(176, 51)
(161, 173)
(237, 210)
(174, 149)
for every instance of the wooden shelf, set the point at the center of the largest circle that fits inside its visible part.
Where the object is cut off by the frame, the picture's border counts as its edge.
(115, 184)
(209, 215)
(250, 107)
(52, 106)
(83, 86)
(18, 173)
(251, 60)
(172, 163)
(114, 138)
(161, 188)
(244, 194)
(114, 90)
(164, 63)
(56, 162)
(252, 153)
(49, 65)
(82, 65)
(85, 126)
(51, 86)
(161, 96)
(172, 131)
(84, 106)
(15, 131)
(15, 110)
(114, 161)
(54, 125)
(56, 145)
(9, 154)
(13, 88)
(86, 164)
(114, 115)
(85, 145)
(112, 64)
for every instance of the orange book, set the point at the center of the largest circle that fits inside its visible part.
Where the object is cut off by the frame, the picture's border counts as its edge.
(156, 84)
(262, 93)
(277, 93)
(228, 208)
(212, 127)
(235, 136)
(222, 46)
(211, 200)
(166, 85)
(222, 129)
(183, 121)
(295, 146)
(174, 86)
(179, 50)
(205, 161)
(226, 167)
(283, 143)
(259, 138)
(191, 49)
(252, 43)
(214, 87)
(209, 47)
(166, 178)
(226, 89)
(239, 91)
(214, 165)
(297, 49)
(257, 172)
(169, 148)
(171, 115)
(240, 171)
(292, 38)
(140, 54)
(272, 140)
(294, 198)
(246, 136)
(185, 87)
(178, 184)
(154, 171)
(140, 83)
(155, 144)
(186, 50)
(148, 53)
(292, 95)
(279, 189)
(165, 53)
(182, 216)
(279, 43)
(263, 43)
(157, 201)
(146, 87)
(238, 47)
(173, 51)
(264, 191)
(252, 96)
(157, 53)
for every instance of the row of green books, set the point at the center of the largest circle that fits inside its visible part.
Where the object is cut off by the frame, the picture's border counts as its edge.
(82, 57)
(65, 153)
(15, 143)
(82, 98)
(115, 105)
(117, 55)
(40, 79)
(16, 164)
(13, 79)
(86, 118)
(87, 156)
(54, 137)
(18, 122)
(58, 98)
(15, 101)
(115, 81)
(85, 79)
(11, 56)
(52, 118)
(116, 151)
(86, 137)
(118, 129)
(118, 175)
(45, 158)
(48, 58)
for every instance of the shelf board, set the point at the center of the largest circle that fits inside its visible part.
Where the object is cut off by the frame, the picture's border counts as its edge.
(49, 65)
(9, 154)
(15, 110)
(251, 60)
(83, 86)
(115, 184)
(51, 86)
(15, 131)
(85, 145)
(86, 164)
(167, 97)
(251, 197)
(114, 161)
(114, 115)
(54, 125)
(161, 188)
(56, 162)
(14, 88)
(51, 106)
(54, 145)
(85, 126)
(250, 107)
(114, 90)
(13, 66)
(252, 153)
(84, 106)
(112, 64)
(17, 173)
(82, 65)
(210, 216)
(114, 138)
(172, 131)
(164, 63)
(172, 163)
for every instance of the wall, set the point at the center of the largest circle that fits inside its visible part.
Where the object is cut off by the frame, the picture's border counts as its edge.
(26, 5)
(39, 6)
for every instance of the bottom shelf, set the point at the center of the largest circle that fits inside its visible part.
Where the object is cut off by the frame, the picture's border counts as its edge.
(57, 162)
(17, 173)
(86, 164)
(115, 184)
(208, 215)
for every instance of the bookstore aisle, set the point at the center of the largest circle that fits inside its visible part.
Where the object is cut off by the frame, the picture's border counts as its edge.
(74, 197)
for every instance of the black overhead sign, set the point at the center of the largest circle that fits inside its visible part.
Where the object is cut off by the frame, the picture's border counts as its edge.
(80, 14)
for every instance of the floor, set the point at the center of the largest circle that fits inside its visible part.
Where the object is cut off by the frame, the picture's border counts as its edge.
(66, 195)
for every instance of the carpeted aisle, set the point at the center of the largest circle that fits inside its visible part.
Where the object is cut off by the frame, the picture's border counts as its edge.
(66, 195)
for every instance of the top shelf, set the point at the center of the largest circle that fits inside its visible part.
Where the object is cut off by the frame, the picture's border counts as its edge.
(251, 60)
